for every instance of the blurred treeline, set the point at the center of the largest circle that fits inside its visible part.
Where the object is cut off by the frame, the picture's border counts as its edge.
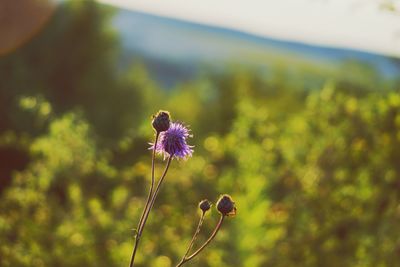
(314, 165)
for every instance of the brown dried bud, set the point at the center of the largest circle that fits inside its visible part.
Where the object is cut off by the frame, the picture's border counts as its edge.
(226, 206)
(205, 205)
(161, 121)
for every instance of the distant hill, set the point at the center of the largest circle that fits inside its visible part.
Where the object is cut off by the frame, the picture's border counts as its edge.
(175, 50)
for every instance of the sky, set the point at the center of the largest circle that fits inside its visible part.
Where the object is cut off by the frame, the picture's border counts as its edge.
(357, 24)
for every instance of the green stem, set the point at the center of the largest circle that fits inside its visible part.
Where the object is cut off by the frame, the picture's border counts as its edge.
(195, 235)
(147, 201)
(147, 212)
(186, 259)
(153, 199)
(152, 184)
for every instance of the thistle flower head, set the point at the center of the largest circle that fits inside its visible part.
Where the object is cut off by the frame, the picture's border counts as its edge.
(226, 205)
(161, 121)
(172, 142)
(205, 205)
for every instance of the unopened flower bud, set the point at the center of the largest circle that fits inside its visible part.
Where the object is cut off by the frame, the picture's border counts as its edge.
(205, 205)
(161, 121)
(226, 206)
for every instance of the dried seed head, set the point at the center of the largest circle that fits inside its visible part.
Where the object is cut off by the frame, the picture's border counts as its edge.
(226, 206)
(161, 121)
(205, 205)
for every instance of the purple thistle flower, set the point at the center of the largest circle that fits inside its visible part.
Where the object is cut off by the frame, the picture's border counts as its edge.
(172, 142)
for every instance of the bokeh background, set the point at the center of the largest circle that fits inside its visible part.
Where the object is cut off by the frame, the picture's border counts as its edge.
(306, 139)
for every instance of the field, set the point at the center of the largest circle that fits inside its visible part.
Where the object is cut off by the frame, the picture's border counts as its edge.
(311, 156)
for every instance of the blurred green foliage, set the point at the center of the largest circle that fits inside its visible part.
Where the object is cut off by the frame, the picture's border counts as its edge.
(315, 172)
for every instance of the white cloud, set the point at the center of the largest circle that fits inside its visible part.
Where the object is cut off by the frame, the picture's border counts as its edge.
(357, 24)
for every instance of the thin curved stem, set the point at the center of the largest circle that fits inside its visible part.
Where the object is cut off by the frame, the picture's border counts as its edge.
(138, 229)
(186, 259)
(153, 199)
(195, 235)
(152, 183)
(147, 211)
